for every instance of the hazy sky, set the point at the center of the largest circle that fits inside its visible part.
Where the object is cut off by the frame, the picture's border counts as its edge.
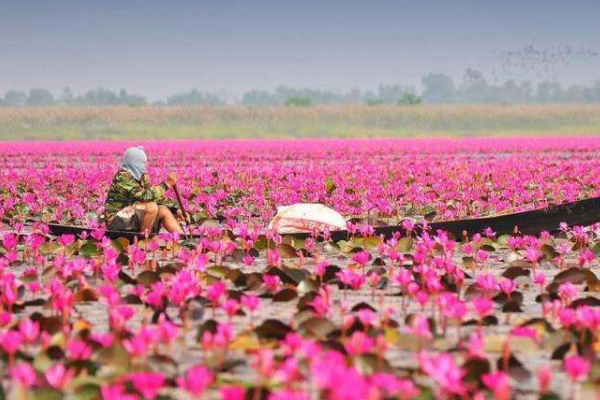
(157, 47)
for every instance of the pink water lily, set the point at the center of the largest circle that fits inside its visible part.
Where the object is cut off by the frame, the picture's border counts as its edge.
(148, 384)
(498, 383)
(58, 376)
(310, 317)
(197, 379)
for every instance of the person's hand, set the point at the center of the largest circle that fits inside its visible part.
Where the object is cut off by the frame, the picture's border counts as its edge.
(182, 217)
(171, 179)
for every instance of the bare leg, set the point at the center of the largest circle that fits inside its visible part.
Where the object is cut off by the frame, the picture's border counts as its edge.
(168, 220)
(150, 214)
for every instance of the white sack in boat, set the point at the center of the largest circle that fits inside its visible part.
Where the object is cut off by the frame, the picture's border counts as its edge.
(299, 218)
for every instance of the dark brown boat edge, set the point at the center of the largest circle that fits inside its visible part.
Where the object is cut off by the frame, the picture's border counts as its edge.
(577, 213)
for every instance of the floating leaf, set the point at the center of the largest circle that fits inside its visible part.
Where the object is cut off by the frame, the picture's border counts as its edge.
(363, 306)
(586, 301)
(262, 243)
(49, 248)
(513, 367)
(219, 272)
(88, 249)
(503, 241)
(116, 356)
(515, 272)
(405, 244)
(297, 274)
(539, 324)
(208, 326)
(469, 262)
(563, 350)
(245, 341)
(123, 243)
(286, 251)
(46, 393)
(210, 223)
(317, 327)
(285, 295)
(369, 364)
(549, 251)
(86, 294)
(474, 291)
(331, 273)
(272, 329)
(330, 186)
(475, 368)
(50, 324)
(306, 286)
(487, 247)
(126, 278)
(283, 276)
(87, 392)
(331, 248)
(575, 276)
(503, 298)
(512, 307)
(147, 278)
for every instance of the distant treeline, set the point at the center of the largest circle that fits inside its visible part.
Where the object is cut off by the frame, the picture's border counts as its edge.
(437, 88)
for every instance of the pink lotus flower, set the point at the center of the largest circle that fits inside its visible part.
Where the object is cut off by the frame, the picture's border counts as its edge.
(567, 291)
(272, 283)
(10, 341)
(248, 260)
(487, 282)
(443, 369)
(362, 258)
(577, 367)
(264, 362)
(103, 339)
(544, 379)
(77, 349)
(359, 343)
(526, 332)
(250, 302)
(508, 286)
(482, 256)
(483, 307)
(498, 382)
(539, 279)
(392, 386)
(232, 393)
(58, 376)
(533, 254)
(231, 307)
(586, 257)
(475, 346)
(288, 394)
(23, 374)
(420, 327)
(148, 384)
(116, 392)
(197, 379)
(65, 240)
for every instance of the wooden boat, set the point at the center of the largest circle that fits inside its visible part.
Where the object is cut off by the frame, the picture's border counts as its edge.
(583, 213)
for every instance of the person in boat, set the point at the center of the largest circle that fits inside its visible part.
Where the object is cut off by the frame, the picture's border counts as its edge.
(133, 204)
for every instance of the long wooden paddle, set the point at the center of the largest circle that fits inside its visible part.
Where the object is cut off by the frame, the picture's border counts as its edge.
(183, 210)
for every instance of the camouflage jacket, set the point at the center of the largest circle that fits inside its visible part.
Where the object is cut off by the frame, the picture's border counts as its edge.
(126, 191)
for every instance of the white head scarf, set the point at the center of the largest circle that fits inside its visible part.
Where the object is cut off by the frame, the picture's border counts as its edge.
(134, 161)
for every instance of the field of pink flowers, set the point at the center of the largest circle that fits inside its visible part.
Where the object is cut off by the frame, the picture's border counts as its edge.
(247, 314)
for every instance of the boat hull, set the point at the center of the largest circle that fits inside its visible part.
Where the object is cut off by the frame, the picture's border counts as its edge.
(583, 213)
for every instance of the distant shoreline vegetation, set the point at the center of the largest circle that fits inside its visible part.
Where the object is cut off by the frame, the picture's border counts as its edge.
(150, 122)
(437, 88)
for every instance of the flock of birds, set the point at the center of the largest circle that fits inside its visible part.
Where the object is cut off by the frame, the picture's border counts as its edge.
(541, 64)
